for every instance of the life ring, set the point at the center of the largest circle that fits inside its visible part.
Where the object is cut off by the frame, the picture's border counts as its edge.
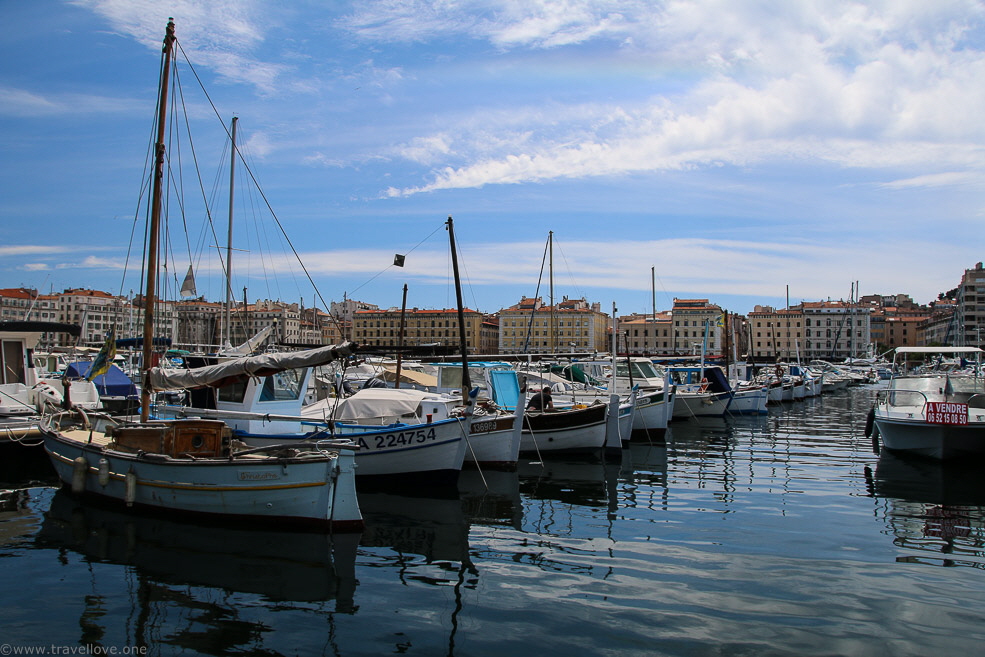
(779, 370)
(704, 385)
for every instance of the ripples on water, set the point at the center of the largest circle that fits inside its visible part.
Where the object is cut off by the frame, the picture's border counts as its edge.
(777, 535)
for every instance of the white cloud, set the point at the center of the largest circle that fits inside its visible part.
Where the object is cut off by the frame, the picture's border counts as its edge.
(946, 179)
(877, 84)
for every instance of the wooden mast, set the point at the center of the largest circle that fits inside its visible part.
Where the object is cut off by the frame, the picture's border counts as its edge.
(155, 222)
(400, 338)
(463, 343)
(229, 239)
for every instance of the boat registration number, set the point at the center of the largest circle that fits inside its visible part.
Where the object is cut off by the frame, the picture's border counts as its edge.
(947, 413)
(398, 439)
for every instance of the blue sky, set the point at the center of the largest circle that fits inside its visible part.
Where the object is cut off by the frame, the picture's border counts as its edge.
(734, 148)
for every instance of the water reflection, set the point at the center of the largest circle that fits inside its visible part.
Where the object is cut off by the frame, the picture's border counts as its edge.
(415, 529)
(935, 509)
(491, 498)
(279, 565)
(570, 481)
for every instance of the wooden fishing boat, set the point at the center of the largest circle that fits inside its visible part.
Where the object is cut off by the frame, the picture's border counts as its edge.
(192, 466)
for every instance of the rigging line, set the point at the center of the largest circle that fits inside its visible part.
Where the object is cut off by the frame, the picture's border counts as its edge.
(530, 324)
(669, 298)
(468, 280)
(571, 276)
(144, 187)
(198, 173)
(385, 269)
(253, 178)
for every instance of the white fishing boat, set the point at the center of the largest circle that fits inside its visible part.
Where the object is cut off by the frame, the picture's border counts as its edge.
(655, 393)
(576, 428)
(580, 430)
(935, 413)
(700, 391)
(191, 466)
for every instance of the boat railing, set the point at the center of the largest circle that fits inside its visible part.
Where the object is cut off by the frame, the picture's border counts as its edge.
(903, 398)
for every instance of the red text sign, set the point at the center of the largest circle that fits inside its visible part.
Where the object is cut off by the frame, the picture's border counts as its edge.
(947, 413)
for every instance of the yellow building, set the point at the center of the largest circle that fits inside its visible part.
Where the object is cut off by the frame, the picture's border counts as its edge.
(571, 326)
(381, 328)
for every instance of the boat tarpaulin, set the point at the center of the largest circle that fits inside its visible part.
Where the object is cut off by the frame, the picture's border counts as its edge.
(240, 369)
(113, 383)
(370, 404)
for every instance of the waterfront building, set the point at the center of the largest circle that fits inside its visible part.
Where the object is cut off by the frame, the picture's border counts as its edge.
(645, 335)
(969, 312)
(422, 327)
(571, 326)
(697, 325)
(896, 326)
(319, 328)
(834, 330)
(199, 322)
(344, 311)
(15, 303)
(939, 328)
(775, 334)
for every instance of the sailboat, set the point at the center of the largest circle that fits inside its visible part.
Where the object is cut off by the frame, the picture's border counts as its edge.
(191, 466)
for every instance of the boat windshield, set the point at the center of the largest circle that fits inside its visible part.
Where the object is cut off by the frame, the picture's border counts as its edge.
(641, 370)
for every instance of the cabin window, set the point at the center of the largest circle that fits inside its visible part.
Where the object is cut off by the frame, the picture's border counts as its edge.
(233, 392)
(283, 386)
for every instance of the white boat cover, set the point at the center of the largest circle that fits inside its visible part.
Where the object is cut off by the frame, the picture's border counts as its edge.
(239, 369)
(370, 403)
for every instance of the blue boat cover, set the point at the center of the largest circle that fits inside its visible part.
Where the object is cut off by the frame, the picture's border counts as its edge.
(114, 383)
(505, 388)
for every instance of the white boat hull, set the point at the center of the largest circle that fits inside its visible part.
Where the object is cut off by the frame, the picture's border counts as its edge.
(935, 441)
(494, 441)
(700, 404)
(434, 451)
(316, 491)
(653, 411)
(748, 402)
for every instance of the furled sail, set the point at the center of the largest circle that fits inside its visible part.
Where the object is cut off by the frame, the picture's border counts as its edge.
(240, 369)
(188, 285)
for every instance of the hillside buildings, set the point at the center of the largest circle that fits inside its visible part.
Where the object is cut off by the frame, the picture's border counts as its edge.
(828, 330)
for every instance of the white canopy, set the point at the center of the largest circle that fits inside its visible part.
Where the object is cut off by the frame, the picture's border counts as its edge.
(369, 404)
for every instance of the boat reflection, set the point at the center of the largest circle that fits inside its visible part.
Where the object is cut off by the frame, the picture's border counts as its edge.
(585, 483)
(933, 508)
(491, 498)
(428, 525)
(279, 565)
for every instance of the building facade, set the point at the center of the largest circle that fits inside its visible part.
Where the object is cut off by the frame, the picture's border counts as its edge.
(422, 327)
(697, 326)
(970, 308)
(571, 326)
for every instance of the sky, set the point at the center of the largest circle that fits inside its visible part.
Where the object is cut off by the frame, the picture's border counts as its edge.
(742, 152)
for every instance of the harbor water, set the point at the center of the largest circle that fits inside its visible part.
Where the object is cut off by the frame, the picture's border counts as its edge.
(784, 534)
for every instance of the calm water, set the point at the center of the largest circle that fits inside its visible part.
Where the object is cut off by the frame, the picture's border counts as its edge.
(779, 535)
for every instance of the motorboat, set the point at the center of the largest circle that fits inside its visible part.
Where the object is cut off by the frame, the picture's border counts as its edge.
(934, 411)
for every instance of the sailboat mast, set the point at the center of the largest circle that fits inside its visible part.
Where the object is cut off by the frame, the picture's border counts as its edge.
(463, 344)
(400, 338)
(229, 237)
(653, 295)
(550, 242)
(155, 222)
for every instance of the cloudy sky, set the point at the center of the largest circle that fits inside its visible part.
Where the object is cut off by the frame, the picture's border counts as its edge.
(736, 150)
